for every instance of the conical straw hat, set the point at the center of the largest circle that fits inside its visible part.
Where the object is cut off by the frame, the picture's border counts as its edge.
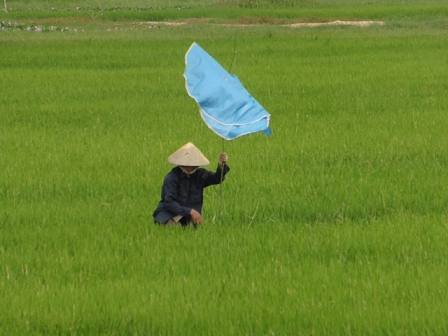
(188, 155)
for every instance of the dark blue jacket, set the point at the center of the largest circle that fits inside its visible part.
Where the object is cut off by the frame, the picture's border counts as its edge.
(180, 194)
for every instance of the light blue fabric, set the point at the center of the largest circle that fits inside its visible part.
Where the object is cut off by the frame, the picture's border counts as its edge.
(225, 105)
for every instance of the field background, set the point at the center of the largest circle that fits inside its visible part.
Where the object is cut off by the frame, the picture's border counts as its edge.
(336, 224)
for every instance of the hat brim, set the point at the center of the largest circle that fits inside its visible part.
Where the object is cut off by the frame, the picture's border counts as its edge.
(188, 155)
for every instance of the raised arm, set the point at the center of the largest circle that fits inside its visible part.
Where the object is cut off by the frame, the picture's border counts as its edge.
(219, 175)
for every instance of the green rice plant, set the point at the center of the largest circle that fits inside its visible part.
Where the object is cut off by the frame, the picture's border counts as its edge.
(260, 11)
(335, 224)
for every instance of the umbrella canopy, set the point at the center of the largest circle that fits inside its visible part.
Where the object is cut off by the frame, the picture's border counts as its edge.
(225, 105)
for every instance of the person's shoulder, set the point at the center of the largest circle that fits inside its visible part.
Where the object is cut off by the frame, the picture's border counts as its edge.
(203, 173)
(173, 173)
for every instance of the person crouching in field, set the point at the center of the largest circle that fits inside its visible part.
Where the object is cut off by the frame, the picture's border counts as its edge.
(183, 186)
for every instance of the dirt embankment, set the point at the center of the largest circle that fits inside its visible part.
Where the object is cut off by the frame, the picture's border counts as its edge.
(251, 21)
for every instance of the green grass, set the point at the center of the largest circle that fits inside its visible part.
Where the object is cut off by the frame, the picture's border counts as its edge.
(336, 224)
(263, 10)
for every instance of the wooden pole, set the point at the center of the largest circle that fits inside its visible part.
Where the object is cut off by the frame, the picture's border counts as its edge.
(220, 185)
(222, 169)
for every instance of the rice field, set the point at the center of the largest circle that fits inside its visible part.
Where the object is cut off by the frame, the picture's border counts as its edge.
(336, 224)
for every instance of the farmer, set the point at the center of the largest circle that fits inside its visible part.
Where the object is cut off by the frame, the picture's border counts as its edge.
(182, 190)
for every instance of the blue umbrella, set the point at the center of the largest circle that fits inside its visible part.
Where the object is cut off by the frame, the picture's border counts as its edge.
(225, 105)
